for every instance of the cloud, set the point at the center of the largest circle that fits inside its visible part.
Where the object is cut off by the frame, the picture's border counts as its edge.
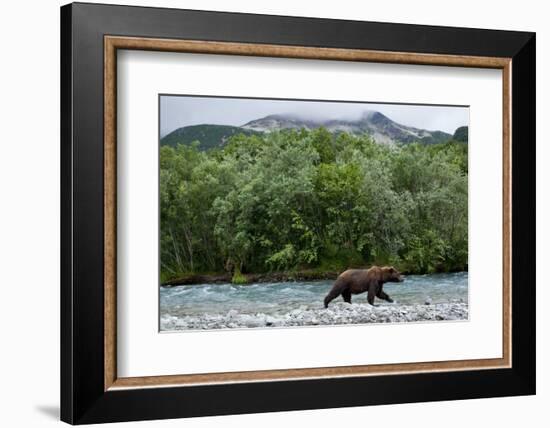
(178, 111)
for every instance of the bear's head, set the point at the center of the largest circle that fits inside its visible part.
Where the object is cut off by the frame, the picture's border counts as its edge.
(391, 274)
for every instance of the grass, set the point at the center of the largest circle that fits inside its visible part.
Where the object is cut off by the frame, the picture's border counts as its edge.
(238, 278)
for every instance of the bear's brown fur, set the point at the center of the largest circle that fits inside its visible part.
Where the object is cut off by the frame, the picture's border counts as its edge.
(356, 281)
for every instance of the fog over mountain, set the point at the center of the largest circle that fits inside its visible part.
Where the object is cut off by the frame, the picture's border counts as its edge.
(183, 111)
(374, 123)
(371, 122)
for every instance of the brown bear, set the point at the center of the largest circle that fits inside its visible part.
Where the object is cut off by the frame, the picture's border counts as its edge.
(356, 281)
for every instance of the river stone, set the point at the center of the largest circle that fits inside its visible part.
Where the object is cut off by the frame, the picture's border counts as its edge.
(337, 314)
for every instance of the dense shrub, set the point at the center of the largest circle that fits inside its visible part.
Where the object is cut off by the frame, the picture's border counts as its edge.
(308, 199)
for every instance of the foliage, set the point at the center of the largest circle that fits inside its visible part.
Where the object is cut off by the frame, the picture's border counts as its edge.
(238, 278)
(298, 199)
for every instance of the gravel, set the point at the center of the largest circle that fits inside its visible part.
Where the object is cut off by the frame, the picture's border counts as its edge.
(336, 314)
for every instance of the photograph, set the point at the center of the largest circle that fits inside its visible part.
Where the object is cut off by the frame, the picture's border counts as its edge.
(292, 213)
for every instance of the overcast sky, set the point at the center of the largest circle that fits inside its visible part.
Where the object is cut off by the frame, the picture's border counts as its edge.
(178, 111)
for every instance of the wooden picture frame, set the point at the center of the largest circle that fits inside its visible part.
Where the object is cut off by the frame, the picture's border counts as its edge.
(91, 390)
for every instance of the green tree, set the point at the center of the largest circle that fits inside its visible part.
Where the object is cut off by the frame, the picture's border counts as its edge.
(311, 199)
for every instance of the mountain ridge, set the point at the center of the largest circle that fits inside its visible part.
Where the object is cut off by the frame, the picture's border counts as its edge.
(379, 126)
(371, 122)
(210, 136)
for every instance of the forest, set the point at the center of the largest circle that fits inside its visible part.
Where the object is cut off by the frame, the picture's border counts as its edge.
(296, 200)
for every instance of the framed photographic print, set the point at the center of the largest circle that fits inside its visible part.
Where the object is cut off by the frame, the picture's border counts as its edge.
(266, 213)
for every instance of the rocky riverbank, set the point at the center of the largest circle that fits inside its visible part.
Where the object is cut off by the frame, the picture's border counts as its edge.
(337, 313)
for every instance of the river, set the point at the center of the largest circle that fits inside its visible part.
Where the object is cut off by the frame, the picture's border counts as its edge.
(212, 306)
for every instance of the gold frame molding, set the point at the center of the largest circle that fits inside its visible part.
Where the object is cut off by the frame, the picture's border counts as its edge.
(113, 43)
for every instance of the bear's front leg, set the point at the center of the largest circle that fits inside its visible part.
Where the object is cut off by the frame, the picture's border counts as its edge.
(384, 296)
(372, 293)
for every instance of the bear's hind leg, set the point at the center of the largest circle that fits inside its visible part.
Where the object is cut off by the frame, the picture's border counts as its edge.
(346, 294)
(333, 294)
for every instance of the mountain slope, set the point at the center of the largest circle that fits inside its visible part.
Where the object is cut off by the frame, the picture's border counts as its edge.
(461, 134)
(209, 136)
(380, 127)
